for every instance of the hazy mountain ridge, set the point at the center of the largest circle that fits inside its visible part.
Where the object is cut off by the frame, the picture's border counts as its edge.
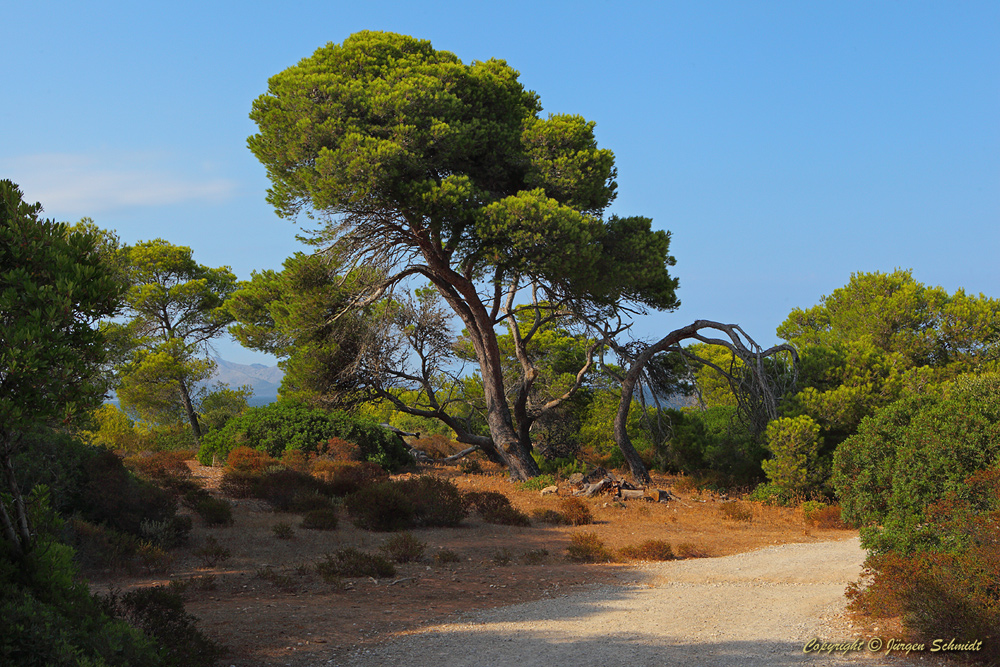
(264, 380)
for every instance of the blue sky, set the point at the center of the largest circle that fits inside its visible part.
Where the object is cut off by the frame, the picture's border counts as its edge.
(785, 144)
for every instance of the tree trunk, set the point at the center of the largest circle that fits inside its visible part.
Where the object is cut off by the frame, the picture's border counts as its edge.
(17, 528)
(189, 409)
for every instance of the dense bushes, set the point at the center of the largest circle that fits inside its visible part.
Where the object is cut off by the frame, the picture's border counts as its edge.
(922, 476)
(913, 452)
(279, 426)
(397, 505)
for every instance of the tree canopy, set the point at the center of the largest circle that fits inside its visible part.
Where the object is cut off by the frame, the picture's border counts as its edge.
(54, 287)
(175, 308)
(416, 164)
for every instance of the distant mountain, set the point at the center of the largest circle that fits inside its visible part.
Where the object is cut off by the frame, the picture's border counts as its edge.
(264, 380)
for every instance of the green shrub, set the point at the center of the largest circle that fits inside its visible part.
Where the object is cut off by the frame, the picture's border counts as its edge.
(538, 483)
(396, 505)
(403, 548)
(279, 426)
(795, 466)
(320, 519)
(951, 592)
(213, 511)
(353, 563)
(159, 613)
(435, 501)
(911, 454)
(588, 548)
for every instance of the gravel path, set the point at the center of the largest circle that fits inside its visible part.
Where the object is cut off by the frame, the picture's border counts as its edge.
(756, 608)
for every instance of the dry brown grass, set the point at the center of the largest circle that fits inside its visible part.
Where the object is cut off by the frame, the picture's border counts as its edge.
(463, 574)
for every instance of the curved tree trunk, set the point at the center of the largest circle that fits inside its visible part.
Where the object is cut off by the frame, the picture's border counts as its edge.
(691, 331)
(189, 410)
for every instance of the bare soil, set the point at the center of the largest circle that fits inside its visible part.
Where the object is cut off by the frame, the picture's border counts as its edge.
(292, 617)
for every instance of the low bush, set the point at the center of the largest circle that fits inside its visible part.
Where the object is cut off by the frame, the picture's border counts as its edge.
(213, 511)
(495, 507)
(239, 483)
(502, 556)
(168, 533)
(688, 550)
(535, 556)
(249, 460)
(649, 550)
(161, 467)
(353, 563)
(212, 553)
(344, 477)
(403, 548)
(549, 516)
(538, 483)
(291, 491)
(470, 467)
(341, 450)
(588, 548)
(822, 515)
(737, 511)
(382, 507)
(283, 531)
(447, 556)
(159, 613)
(396, 505)
(320, 519)
(295, 459)
(436, 501)
(576, 511)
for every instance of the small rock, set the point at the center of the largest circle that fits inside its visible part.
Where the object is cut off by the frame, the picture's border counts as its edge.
(549, 490)
(576, 478)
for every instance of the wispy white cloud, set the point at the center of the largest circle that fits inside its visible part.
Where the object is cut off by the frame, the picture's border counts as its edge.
(75, 185)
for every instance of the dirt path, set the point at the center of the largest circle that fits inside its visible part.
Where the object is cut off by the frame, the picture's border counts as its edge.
(756, 608)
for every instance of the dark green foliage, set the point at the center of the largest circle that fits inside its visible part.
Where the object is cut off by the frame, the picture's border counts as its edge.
(435, 501)
(279, 426)
(48, 617)
(495, 507)
(912, 453)
(381, 507)
(92, 483)
(951, 593)
(418, 501)
(114, 496)
(711, 439)
(291, 491)
(353, 563)
(214, 511)
(320, 519)
(160, 613)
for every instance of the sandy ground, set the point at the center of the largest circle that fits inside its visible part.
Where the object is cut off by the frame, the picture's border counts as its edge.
(755, 608)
